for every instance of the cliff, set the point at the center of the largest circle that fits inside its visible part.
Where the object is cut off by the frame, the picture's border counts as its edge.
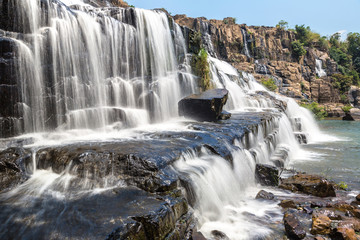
(267, 53)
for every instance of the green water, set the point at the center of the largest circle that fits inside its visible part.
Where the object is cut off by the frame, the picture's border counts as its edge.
(338, 160)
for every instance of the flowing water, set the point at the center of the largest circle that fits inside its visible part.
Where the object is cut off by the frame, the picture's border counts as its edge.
(93, 75)
(319, 69)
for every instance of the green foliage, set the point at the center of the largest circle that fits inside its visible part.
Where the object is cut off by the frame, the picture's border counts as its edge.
(195, 42)
(342, 82)
(319, 112)
(342, 185)
(132, 6)
(298, 49)
(346, 108)
(202, 69)
(282, 25)
(269, 84)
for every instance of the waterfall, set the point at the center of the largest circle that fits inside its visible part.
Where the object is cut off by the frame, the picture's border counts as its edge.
(81, 68)
(246, 48)
(320, 72)
(88, 68)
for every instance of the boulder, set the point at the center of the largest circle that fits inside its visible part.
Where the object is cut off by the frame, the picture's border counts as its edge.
(206, 106)
(267, 175)
(309, 184)
(354, 96)
(288, 204)
(358, 197)
(344, 233)
(321, 224)
(218, 235)
(293, 228)
(262, 194)
(352, 115)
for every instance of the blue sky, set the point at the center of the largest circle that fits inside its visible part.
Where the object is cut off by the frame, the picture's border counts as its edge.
(323, 16)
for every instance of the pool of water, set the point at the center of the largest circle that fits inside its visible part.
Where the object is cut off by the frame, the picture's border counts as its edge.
(336, 159)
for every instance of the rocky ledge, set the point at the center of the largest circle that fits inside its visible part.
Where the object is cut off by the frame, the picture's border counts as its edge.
(147, 197)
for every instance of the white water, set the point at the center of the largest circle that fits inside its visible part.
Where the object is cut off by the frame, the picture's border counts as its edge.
(107, 75)
(246, 48)
(320, 72)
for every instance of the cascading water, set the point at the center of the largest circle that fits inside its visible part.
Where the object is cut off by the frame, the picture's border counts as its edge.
(320, 72)
(85, 68)
(246, 48)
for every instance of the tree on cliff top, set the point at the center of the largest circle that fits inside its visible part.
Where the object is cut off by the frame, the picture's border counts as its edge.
(282, 25)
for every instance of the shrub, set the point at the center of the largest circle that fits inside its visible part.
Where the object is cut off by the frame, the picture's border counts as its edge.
(282, 25)
(202, 69)
(346, 108)
(319, 112)
(342, 185)
(269, 84)
(298, 49)
(342, 82)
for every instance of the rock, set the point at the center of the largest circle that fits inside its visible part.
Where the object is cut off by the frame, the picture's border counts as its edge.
(344, 233)
(288, 204)
(218, 235)
(335, 113)
(225, 115)
(206, 106)
(308, 210)
(197, 236)
(13, 167)
(354, 96)
(353, 115)
(321, 225)
(293, 228)
(358, 197)
(309, 184)
(301, 138)
(265, 195)
(267, 175)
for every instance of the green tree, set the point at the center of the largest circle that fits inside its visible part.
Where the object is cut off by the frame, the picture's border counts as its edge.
(342, 82)
(202, 69)
(298, 49)
(283, 25)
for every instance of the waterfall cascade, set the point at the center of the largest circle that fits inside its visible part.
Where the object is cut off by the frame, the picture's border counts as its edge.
(246, 48)
(319, 69)
(88, 68)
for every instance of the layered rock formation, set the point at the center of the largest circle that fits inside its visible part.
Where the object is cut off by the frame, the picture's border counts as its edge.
(267, 53)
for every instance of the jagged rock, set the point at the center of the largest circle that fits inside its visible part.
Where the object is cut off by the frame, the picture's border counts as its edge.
(13, 166)
(344, 233)
(225, 115)
(309, 184)
(206, 106)
(301, 138)
(218, 235)
(262, 194)
(288, 204)
(267, 175)
(354, 96)
(352, 115)
(197, 236)
(308, 210)
(321, 225)
(293, 228)
(335, 113)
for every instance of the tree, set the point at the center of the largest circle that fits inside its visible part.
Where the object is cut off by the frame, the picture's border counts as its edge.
(298, 49)
(283, 25)
(342, 82)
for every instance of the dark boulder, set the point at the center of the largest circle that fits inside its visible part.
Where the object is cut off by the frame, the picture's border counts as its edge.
(287, 204)
(267, 175)
(301, 138)
(293, 228)
(218, 235)
(13, 167)
(309, 184)
(265, 195)
(225, 115)
(358, 197)
(206, 106)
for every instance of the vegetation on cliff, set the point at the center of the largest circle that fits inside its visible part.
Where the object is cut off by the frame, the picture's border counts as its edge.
(269, 83)
(201, 67)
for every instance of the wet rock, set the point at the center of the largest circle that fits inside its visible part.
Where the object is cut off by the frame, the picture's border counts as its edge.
(301, 138)
(197, 236)
(358, 197)
(308, 210)
(265, 195)
(309, 184)
(13, 167)
(218, 235)
(317, 204)
(352, 115)
(267, 175)
(321, 225)
(225, 115)
(288, 204)
(206, 106)
(344, 233)
(293, 228)
(132, 230)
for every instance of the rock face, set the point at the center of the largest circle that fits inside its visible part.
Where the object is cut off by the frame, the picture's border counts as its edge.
(206, 106)
(267, 175)
(267, 52)
(309, 184)
(354, 96)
